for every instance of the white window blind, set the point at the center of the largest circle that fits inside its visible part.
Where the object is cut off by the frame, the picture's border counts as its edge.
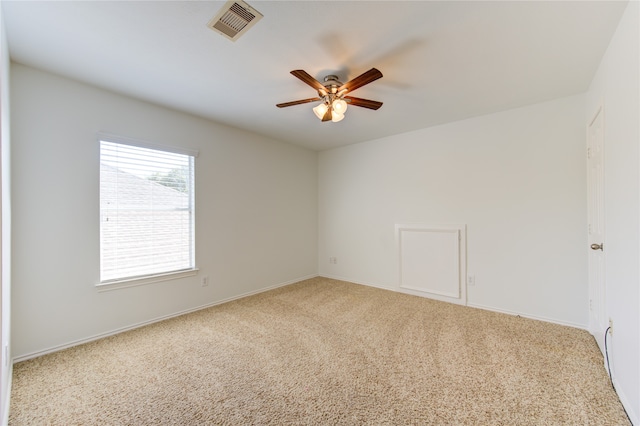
(146, 211)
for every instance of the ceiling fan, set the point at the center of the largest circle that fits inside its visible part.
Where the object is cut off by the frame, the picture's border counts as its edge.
(332, 94)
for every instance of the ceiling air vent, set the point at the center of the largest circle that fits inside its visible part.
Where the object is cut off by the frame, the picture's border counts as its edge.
(234, 19)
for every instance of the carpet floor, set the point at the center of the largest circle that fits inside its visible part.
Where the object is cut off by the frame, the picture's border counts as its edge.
(324, 352)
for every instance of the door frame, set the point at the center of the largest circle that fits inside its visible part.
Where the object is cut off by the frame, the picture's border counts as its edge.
(596, 262)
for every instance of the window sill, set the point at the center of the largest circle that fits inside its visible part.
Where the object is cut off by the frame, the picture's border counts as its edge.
(149, 279)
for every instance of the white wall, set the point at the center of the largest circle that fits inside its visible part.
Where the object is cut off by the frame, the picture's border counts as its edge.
(256, 211)
(616, 87)
(5, 224)
(515, 178)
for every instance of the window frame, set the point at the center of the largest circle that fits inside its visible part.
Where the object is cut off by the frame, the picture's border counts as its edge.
(131, 281)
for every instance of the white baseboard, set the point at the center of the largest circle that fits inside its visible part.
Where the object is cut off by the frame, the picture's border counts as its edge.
(151, 321)
(633, 416)
(349, 280)
(471, 305)
(534, 317)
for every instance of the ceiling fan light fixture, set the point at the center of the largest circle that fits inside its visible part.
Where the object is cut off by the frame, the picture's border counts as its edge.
(320, 110)
(339, 106)
(336, 116)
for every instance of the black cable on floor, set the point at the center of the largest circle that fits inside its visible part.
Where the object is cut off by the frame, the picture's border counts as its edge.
(606, 353)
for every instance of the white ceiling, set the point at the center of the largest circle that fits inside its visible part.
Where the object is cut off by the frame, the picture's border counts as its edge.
(442, 61)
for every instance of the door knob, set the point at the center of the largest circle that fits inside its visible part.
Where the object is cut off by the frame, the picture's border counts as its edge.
(596, 246)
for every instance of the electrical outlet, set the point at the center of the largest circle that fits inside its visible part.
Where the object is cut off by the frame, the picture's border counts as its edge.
(471, 280)
(333, 260)
(610, 325)
(204, 281)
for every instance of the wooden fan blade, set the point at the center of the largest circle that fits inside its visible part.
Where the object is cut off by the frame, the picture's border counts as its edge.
(327, 115)
(301, 101)
(365, 103)
(306, 78)
(365, 78)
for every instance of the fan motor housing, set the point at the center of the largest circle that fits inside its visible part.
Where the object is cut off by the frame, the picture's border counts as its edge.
(332, 83)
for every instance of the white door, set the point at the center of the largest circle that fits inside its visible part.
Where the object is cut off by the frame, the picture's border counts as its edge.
(595, 217)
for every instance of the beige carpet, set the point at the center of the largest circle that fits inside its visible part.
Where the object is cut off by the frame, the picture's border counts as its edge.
(325, 352)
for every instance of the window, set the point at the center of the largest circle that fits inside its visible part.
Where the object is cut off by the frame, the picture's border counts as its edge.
(146, 210)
